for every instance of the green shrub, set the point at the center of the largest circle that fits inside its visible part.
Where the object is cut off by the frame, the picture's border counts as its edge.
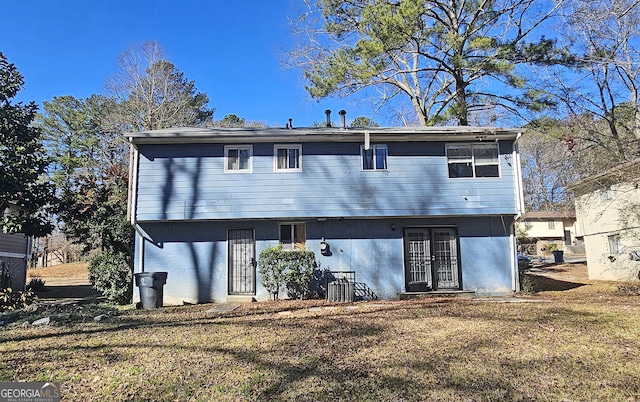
(36, 284)
(271, 270)
(300, 266)
(110, 274)
(14, 300)
(527, 285)
(289, 269)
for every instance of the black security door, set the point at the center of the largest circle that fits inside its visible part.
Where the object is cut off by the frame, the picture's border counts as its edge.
(242, 267)
(431, 259)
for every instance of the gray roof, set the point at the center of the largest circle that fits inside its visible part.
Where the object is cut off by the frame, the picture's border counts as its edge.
(548, 215)
(626, 171)
(321, 134)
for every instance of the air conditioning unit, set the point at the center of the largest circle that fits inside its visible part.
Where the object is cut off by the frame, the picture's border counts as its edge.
(341, 291)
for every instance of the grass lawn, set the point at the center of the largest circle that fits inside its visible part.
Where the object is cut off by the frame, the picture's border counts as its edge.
(579, 341)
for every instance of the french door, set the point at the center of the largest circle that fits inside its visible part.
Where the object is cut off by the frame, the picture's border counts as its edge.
(431, 259)
(242, 262)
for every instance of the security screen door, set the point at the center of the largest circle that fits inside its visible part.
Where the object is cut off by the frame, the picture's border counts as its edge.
(445, 257)
(430, 253)
(242, 267)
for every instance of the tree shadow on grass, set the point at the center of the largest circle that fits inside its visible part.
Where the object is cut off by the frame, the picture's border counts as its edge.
(546, 284)
(69, 292)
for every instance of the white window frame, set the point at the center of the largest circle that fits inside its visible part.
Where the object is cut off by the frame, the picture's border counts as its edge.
(472, 159)
(552, 225)
(606, 195)
(615, 247)
(293, 245)
(373, 148)
(228, 148)
(288, 147)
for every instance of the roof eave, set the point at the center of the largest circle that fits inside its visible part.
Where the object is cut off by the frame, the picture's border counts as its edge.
(253, 135)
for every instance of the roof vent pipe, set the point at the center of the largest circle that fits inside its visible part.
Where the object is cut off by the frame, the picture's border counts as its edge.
(343, 120)
(328, 113)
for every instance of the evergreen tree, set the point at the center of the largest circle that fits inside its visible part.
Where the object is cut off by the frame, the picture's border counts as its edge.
(449, 59)
(24, 191)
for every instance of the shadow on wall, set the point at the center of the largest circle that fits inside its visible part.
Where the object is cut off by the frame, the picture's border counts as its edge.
(203, 265)
(15, 270)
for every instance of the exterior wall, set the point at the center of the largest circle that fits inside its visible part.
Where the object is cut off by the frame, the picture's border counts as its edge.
(187, 182)
(14, 250)
(195, 253)
(540, 229)
(600, 218)
(604, 265)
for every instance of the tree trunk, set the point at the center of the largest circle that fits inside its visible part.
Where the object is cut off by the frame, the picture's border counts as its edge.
(461, 111)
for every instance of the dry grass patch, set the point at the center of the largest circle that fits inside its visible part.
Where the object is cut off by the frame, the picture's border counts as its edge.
(583, 345)
(71, 270)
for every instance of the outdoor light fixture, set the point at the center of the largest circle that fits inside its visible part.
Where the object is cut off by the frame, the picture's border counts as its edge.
(324, 247)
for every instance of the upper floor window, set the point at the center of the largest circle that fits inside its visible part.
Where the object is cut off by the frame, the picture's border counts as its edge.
(473, 160)
(293, 236)
(374, 158)
(237, 158)
(606, 195)
(288, 158)
(552, 224)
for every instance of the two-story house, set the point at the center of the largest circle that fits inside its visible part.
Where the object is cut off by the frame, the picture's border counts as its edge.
(406, 209)
(608, 211)
(551, 227)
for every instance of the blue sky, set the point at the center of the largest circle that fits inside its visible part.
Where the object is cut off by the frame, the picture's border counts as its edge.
(233, 50)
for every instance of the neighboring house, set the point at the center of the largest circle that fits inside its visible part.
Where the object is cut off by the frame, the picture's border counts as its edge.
(15, 251)
(551, 227)
(406, 209)
(55, 249)
(608, 212)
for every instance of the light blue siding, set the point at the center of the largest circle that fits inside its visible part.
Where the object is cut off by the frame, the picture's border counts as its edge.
(187, 181)
(195, 253)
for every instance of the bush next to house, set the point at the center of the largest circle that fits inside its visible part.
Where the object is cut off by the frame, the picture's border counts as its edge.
(11, 299)
(291, 270)
(110, 274)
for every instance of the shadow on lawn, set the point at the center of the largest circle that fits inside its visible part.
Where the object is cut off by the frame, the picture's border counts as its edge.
(85, 292)
(305, 359)
(546, 284)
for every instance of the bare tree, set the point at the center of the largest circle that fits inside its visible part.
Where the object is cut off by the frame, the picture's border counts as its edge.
(547, 167)
(151, 93)
(602, 94)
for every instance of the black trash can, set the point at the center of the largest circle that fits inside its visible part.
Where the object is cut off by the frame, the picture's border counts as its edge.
(151, 285)
(558, 256)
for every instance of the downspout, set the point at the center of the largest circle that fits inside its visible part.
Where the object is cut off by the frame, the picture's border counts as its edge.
(133, 200)
(518, 177)
(141, 251)
(515, 274)
(28, 257)
(133, 182)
